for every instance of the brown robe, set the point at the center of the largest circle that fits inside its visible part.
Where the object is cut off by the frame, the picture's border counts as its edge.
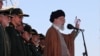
(53, 46)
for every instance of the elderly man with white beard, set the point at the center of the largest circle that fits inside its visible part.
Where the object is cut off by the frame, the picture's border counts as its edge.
(57, 43)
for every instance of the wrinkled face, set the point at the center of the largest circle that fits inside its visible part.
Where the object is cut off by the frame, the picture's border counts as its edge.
(60, 21)
(1, 3)
(17, 19)
(5, 20)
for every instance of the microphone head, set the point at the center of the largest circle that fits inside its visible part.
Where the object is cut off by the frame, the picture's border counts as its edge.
(70, 26)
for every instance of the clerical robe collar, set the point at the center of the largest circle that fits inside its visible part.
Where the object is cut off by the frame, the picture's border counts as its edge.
(56, 27)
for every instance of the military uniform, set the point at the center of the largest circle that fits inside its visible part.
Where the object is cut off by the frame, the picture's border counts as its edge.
(27, 28)
(17, 44)
(4, 39)
(27, 48)
(1, 42)
(17, 48)
(4, 43)
(35, 50)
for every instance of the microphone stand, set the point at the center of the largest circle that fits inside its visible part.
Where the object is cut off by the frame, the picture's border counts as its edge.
(82, 30)
(84, 53)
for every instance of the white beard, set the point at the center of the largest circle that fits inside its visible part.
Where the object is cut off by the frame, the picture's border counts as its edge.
(61, 27)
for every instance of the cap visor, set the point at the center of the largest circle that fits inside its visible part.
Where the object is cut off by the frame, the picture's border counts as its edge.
(25, 15)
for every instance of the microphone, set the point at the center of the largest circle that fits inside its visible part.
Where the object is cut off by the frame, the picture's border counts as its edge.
(70, 26)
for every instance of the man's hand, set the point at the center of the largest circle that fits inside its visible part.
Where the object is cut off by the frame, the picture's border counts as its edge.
(77, 22)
